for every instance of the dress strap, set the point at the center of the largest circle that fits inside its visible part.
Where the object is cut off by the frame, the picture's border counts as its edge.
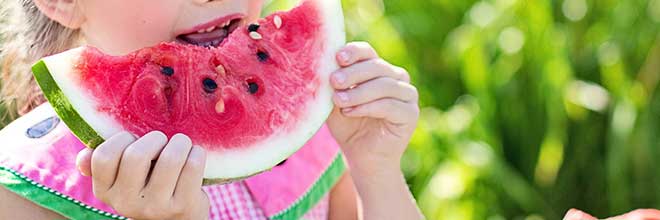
(290, 190)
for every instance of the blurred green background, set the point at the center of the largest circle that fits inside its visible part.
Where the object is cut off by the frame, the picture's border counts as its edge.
(529, 107)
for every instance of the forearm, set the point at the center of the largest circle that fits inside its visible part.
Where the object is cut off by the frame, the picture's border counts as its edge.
(385, 195)
(376, 113)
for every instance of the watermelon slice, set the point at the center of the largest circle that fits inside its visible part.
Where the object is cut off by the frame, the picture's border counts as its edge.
(251, 102)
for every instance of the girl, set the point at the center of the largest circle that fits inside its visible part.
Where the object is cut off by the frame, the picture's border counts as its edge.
(375, 116)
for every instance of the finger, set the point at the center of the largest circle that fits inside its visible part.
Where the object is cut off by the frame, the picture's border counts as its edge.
(136, 161)
(84, 161)
(575, 214)
(105, 161)
(367, 70)
(378, 88)
(392, 110)
(355, 52)
(168, 167)
(641, 214)
(192, 175)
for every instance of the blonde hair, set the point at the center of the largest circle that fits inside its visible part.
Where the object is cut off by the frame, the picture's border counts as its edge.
(26, 36)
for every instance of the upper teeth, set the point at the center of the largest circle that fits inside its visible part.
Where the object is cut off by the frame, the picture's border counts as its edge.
(223, 25)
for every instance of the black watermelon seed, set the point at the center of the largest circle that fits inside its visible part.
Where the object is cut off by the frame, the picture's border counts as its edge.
(168, 71)
(262, 56)
(281, 163)
(209, 85)
(253, 88)
(253, 27)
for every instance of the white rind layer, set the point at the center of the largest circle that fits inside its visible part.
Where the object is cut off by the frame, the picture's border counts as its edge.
(64, 72)
(231, 163)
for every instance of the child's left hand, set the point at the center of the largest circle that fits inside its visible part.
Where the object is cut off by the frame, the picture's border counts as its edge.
(375, 111)
(639, 214)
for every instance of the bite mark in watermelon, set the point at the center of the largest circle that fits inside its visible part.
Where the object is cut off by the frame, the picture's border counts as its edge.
(251, 102)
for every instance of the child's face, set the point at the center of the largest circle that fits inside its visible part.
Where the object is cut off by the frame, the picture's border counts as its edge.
(121, 26)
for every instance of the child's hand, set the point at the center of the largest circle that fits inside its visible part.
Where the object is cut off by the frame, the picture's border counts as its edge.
(376, 109)
(123, 177)
(639, 214)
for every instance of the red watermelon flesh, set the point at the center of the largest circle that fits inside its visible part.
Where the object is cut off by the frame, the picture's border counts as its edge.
(251, 102)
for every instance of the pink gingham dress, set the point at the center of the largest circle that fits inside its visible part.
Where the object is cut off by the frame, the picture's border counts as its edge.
(234, 201)
(37, 161)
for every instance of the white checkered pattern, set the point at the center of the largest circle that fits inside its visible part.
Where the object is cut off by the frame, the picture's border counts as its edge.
(233, 201)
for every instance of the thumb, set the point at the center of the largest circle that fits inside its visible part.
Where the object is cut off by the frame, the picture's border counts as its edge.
(575, 214)
(84, 161)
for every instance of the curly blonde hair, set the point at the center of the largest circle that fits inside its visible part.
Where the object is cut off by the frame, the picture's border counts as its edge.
(26, 35)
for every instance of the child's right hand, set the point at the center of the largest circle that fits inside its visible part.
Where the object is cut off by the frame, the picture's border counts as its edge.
(123, 177)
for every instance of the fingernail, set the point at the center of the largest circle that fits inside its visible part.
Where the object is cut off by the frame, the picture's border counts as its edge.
(344, 56)
(347, 110)
(340, 77)
(575, 214)
(342, 96)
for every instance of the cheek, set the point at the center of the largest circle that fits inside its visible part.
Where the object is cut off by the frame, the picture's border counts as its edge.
(122, 26)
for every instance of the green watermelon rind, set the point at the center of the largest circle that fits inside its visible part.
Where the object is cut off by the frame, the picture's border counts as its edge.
(63, 107)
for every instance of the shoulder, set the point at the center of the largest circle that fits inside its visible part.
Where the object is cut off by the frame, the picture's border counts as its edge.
(15, 137)
(13, 206)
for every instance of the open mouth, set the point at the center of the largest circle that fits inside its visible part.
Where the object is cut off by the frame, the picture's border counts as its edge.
(210, 35)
